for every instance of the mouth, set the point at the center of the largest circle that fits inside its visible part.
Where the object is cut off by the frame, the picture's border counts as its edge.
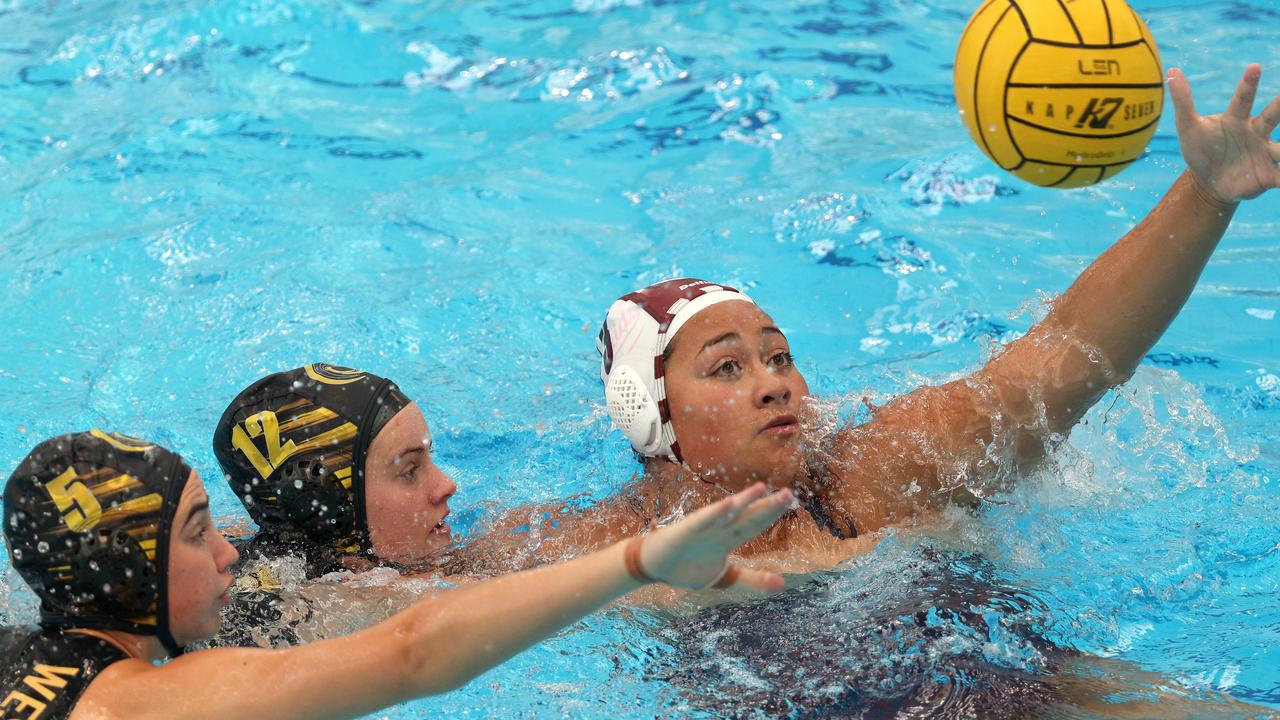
(781, 426)
(441, 528)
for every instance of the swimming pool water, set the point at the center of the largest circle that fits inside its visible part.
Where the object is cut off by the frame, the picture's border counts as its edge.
(193, 194)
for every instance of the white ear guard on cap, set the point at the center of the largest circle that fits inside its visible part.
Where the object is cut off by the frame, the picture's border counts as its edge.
(636, 333)
(633, 409)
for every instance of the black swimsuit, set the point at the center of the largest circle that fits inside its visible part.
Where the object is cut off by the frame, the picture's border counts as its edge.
(810, 502)
(317, 559)
(261, 616)
(44, 672)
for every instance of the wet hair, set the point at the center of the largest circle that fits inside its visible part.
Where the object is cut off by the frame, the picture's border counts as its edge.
(293, 448)
(87, 519)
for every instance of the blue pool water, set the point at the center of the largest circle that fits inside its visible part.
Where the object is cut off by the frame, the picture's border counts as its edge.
(193, 194)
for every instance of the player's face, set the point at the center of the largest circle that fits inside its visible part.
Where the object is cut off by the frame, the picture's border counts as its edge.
(734, 397)
(200, 561)
(406, 493)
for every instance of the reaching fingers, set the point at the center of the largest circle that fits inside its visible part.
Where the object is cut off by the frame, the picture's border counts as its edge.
(674, 553)
(762, 513)
(1269, 118)
(746, 497)
(1184, 107)
(742, 501)
(1275, 151)
(1241, 105)
(727, 510)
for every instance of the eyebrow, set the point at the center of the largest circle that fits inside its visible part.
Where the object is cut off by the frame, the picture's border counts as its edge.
(419, 451)
(731, 335)
(202, 506)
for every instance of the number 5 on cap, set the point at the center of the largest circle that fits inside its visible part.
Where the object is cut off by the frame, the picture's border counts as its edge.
(79, 508)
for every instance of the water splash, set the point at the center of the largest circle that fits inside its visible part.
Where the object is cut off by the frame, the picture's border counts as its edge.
(601, 77)
(933, 185)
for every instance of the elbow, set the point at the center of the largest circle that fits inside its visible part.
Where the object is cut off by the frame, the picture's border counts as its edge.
(1068, 404)
(424, 664)
(1049, 391)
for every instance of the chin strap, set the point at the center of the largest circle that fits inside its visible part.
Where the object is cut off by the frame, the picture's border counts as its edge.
(170, 645)
(364, 438)
(171, 496)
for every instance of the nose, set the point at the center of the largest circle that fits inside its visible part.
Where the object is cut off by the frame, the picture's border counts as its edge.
(226, 554)
(442, 487)
(771, 389)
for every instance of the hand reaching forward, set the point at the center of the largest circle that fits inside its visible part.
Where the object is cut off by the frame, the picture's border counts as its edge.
(1231, 155)
(693, 553)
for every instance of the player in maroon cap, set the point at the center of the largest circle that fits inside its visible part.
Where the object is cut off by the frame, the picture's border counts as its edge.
(701, 379)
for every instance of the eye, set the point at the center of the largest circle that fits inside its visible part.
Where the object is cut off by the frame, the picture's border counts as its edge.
(782, 359)
(728, 368)
(408, 472)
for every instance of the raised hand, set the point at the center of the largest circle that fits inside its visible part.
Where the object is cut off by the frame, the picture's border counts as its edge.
(1231, 155)
(693, 553)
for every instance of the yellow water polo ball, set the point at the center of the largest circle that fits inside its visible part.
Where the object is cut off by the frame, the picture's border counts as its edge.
(1061, 93)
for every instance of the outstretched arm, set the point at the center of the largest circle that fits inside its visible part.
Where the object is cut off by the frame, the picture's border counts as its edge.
(1100, 329)
(439, 644)
(918, 448)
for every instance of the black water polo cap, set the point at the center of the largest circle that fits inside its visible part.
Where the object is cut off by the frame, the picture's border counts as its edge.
(87, 518)
(293, 447)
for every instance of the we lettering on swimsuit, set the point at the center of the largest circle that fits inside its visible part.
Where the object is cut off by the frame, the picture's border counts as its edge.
(46, 681)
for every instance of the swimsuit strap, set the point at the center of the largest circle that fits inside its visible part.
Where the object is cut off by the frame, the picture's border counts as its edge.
(635, 505)
(810, 502)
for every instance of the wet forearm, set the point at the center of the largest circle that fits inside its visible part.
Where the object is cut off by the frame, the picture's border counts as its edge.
(459, 634)
(1126, 299)
(1103, 325)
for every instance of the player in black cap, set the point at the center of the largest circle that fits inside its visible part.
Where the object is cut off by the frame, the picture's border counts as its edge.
(115, 537)
(296, 446)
